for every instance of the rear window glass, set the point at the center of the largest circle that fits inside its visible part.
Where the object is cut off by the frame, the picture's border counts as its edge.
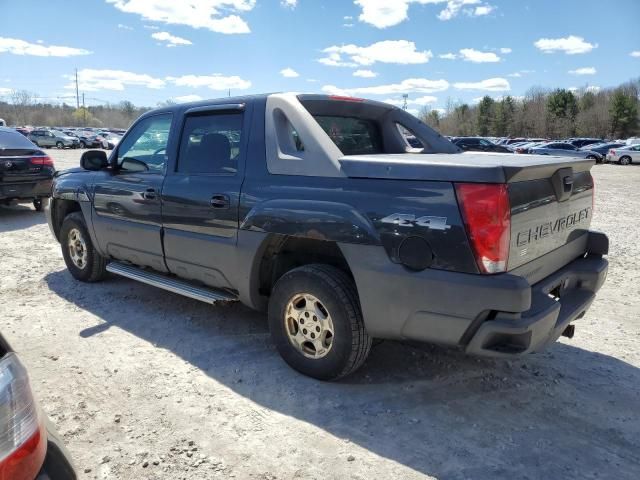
(14, 140)
(352, 135)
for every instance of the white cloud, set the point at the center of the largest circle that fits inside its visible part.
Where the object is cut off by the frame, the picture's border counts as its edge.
(22, 47)
(171, 40)
(476, 56)
(417, 85)
(505, 50)
(187, 98)
(515, 75)
(489, 85)
(635, 53)
(570, 45)
(448, 56)
(347, 17)
(592, 89)
(583, 71)
(365, 74)
(483, 10)
(5, 91)
(220, 16)
(426, 100)
(289, 73)
(151, 27)
(289, 3)
(213, 82)
(122, 26)
(387, 13)
(388, 51)
(92, 80)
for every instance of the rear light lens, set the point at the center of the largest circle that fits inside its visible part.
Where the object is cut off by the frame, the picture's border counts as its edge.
(22, 434)
(612, 152)
(42, 161)
(343, 98)
(487, 217)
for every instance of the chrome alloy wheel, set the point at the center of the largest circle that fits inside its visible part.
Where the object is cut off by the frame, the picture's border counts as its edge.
(309, 326)
(77, 248)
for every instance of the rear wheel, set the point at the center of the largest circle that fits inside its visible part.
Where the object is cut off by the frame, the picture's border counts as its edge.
(37, 204)
(59, 145)
(82, 144)
(316, 322)
(82, 260)
(626, 160)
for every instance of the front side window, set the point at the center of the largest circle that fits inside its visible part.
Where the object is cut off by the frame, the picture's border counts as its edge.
(145, 147)
(211, 144)
(352, 135)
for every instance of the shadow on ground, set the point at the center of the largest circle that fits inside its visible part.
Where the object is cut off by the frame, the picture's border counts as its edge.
(567, 413)
(17, 217)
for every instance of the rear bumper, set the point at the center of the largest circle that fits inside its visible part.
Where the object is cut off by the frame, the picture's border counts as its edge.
(57, 463)
(490, 315)
(26, 190)
(556, 301)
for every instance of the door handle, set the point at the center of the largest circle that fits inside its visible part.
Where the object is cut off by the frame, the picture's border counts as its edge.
(220, 201)
(149, 194)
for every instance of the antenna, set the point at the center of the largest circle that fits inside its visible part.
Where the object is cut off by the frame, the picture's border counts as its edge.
(405, 98)
(77, 96)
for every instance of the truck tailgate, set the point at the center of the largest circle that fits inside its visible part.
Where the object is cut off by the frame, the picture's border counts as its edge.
(550, 196)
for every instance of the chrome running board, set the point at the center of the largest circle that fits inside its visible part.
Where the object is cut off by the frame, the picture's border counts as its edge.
(171, 284)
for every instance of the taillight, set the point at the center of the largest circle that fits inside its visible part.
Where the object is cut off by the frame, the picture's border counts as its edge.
(42, 161)
(22, 434)
(612, 152)
(487, 217)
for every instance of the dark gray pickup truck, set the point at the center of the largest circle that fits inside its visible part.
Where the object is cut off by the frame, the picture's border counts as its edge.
(318, 210)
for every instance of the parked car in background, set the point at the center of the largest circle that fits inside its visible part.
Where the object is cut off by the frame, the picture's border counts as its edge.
(89, 140)
(582, 142)
(30, 447)
(23, 131)
(603, 148)
(53, 138)
(26, 171)
(564, 149)
(478, 144)
(112, 140)
(525, 147)
(624, 155)
(2, 122)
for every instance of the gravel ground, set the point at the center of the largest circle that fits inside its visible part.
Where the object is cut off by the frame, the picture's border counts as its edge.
(147, 384)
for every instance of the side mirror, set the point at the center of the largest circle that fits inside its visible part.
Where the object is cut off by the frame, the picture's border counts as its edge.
(94, 160)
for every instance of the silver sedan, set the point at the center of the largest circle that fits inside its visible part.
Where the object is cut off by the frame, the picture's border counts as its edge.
(624, 155)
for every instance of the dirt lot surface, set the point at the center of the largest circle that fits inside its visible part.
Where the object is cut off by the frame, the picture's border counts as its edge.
(147, 384)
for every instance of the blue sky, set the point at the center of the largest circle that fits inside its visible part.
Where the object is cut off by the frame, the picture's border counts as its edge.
(148, 51)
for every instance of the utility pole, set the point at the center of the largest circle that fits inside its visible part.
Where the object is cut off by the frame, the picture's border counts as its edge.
(84, 111)
(229, 93)
(405, 97)
(77, 96)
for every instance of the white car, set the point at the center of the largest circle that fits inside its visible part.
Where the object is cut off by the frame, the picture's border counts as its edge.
(624, 155)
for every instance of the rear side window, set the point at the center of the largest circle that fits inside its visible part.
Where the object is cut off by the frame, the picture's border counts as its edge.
(352, 135)
(210, 144)
(14, 141)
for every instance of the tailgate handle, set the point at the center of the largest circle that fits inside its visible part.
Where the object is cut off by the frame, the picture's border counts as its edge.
(562, 182)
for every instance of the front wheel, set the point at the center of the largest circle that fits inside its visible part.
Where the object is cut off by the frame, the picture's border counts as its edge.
(38, 205)
(316, 323)
(624, 160)
(83, 145)
(59, 145)
(82, 259)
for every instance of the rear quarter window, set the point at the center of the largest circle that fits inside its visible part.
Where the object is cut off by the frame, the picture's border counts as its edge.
(352, 135)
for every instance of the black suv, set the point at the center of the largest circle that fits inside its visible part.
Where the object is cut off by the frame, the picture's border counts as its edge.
(479, 144)
(26, 171)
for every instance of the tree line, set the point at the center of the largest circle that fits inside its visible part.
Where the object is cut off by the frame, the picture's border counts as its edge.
(545, 113)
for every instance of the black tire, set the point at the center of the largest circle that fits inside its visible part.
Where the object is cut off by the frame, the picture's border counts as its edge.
(59, 145)
(625, 160)
(38, 204)
(350, 342)
(82, 144)
(94, 268)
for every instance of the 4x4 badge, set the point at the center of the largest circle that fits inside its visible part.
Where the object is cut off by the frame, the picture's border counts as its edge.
(408, 220)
